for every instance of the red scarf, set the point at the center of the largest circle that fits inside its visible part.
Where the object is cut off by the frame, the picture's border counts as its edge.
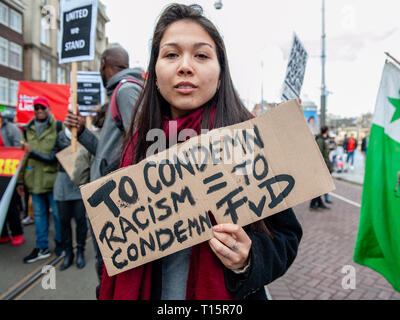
(206, 276)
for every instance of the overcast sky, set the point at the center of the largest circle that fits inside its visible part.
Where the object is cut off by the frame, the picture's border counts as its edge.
(358, 33)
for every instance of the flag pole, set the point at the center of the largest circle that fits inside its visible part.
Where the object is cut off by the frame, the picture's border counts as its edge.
(393, 58)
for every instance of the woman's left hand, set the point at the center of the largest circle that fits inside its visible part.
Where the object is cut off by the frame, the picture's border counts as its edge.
(231, 244)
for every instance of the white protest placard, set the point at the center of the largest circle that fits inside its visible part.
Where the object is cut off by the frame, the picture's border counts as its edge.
(238, 174)
(77, 38)
(90, 92)
(295, 71)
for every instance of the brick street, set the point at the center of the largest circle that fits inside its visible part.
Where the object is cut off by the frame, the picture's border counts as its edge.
(327, 246)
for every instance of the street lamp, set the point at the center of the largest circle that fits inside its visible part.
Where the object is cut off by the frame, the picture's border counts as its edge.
(218, 4)
(323, 58)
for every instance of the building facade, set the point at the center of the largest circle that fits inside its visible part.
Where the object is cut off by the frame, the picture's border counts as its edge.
(11, 53)
(41, 32)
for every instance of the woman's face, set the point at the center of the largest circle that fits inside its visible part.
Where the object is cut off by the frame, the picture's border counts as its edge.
(187, 67)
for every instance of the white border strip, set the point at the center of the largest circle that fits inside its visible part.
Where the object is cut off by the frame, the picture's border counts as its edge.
(346, 200)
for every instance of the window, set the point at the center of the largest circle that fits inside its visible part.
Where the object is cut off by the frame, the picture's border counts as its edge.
(3, 51)
(3, 14)
(44, 32)
(45, 70)
(15, 21)
(15, 60)
(13, 93)
(61, 76)
(3, 90)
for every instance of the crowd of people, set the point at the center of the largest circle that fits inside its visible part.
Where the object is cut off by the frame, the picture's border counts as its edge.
(188, 83)
(338, 158)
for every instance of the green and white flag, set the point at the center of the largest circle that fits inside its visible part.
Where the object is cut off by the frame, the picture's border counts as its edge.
(378, 239)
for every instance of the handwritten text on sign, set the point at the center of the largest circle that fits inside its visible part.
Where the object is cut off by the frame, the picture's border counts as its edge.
(163, 204)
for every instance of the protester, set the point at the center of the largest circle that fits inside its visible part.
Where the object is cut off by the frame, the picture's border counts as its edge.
(189, 84)
(364, 145)
(316, 203)
(40, 135)
(29, 217)
(10, 136)
(70, 205)
(80, 176)
(332, 148)
(106, 149)
(84, 160)
(340, 163)
(351, 147)
(345, 143)
(332, 160)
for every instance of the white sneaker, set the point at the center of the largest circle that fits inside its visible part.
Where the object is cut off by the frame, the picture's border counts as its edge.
(28, 220)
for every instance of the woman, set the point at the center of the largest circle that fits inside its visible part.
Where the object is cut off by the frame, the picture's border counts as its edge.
(70, 205)
(189, 82)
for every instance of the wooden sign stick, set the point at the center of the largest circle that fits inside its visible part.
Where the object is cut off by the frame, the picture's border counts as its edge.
(89, 123)
(74, 104)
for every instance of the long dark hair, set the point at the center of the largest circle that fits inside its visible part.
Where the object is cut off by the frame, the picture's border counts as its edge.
(151, 106)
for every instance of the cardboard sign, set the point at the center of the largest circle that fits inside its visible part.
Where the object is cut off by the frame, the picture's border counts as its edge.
(78, 20)
(58, 96)
(295, 71)
(240, 174)
(67, 158)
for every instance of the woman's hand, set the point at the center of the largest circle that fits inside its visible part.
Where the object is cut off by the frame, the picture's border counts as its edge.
(231, 244)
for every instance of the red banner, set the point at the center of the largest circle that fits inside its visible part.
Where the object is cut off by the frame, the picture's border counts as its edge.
(10, 158)
(58, 96)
